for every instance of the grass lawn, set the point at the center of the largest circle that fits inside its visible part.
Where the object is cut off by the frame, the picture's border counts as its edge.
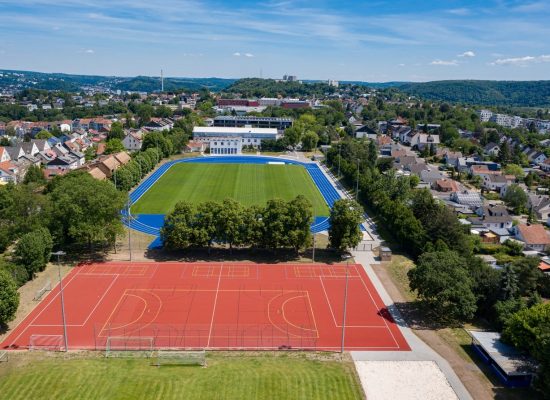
(264, 376)
(247, 183)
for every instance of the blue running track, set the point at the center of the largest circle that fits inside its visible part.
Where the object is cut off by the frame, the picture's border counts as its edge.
(151, 223)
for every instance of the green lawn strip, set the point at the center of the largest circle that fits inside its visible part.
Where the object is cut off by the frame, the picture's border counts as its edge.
(243, 377)
(247, 183)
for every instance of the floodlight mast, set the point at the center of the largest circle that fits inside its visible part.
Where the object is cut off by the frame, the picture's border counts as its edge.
(65, 338)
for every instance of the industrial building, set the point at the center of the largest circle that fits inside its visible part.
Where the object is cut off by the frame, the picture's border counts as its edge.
(256, 122)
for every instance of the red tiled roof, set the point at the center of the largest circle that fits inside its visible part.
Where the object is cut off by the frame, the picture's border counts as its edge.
(534, 234)
(447, 184)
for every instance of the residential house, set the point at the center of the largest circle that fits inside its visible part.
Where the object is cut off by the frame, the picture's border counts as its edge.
(491, 149)
(133, 141)
(545, 166)
(495, 182)
(8, 172)
(105, 166)
(430, 177)
(539, 158)
(540, 204)
(63, 163)
(159, 124)
(535, 237)
(451, 157)
(445, 185)
(4, 155)
(364, 131)
(195, 146)
(423, 141)
(492, 217)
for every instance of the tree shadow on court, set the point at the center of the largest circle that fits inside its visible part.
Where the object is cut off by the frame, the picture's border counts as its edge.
(263, 256)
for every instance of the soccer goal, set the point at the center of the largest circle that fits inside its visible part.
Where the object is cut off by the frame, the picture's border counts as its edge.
(3, 356)
(46, 342)
(46, 288)
(180, 358)
(129, 346)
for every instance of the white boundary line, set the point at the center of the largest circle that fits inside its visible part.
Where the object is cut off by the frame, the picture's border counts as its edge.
(214, 307)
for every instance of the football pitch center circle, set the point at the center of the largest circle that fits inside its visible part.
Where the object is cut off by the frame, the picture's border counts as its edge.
(152, 223)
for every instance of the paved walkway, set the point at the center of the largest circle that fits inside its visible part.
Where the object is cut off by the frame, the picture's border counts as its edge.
(420, 351)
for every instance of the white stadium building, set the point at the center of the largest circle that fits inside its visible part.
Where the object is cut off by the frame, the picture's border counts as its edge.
(224, 140)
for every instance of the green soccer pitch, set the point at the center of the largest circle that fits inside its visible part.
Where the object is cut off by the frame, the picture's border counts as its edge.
(247, 183)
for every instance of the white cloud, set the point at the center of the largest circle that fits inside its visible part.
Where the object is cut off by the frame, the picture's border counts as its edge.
(248, 55)
(468, 53)
(451, 63)
(459, 11)
(237, 54)
(401, 65)
(532, 7)
(89, 51)
(521, 61)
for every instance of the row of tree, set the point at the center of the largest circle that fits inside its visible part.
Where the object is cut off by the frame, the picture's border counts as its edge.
(278, 224)
(71, 210)
(422, 225)
(451, 282)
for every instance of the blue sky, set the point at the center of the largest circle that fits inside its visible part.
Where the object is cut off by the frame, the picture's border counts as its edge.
(365, 40)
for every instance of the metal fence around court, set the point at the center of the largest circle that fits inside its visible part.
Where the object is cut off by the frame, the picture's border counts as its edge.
(216, 337)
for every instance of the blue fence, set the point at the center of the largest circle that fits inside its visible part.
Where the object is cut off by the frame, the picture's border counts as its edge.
(151, 223)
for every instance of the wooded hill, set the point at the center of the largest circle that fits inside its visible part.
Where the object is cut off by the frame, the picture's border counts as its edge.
(490, 93)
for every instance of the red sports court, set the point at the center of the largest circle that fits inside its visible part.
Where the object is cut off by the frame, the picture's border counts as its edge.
(213, 306)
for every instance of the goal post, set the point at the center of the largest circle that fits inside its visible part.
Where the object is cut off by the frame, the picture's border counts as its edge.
(46, 342)
(129, 346)
(40, 292)
(166, 357)
(3, 356)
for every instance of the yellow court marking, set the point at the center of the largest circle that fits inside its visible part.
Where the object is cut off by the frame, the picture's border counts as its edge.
(135, 320)
(290, 323)
(271, 320)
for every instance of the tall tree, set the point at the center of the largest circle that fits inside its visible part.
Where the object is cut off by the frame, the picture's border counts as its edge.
(177, 232)
(230, 222)
(515, 198)
(34, 175)
(345, 217)
(442, 281)
(116, 131)
(9, 298)
(300, 217)
(86, 210)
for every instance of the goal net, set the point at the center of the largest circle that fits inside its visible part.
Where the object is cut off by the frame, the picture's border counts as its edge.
(128, 346)
(3, 356)
(180, 358)
(46, 342)
(46, 288)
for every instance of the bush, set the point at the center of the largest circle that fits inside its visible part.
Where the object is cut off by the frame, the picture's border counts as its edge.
(16, 271)
(33, 250)
(9, 297)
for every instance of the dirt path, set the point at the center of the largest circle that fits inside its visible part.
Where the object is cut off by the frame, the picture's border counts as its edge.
(476, 383)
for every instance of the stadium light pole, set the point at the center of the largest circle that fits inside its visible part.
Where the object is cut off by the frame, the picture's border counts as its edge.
(357, 184)
(313, 255)
(129, 228)
(66, 340)
(347, 257)
(339, 158)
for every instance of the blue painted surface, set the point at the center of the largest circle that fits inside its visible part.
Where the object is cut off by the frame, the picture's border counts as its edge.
(151, 223)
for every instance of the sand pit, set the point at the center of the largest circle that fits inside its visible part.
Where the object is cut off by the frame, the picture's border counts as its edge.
(404, 380)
